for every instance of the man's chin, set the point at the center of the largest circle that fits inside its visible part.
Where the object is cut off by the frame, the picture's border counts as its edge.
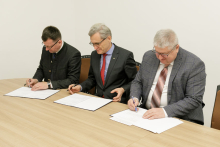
(99, 52)
(163, 61)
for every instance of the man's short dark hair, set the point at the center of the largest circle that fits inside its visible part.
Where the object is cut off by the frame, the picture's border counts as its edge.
(52, 33)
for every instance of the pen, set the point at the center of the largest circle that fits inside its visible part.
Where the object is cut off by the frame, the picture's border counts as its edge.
(29, 84)
(134, 103)
(72, 87)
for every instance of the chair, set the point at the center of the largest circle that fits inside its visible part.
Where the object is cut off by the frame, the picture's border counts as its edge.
(138, 65)
(85, 65)
(216, 111)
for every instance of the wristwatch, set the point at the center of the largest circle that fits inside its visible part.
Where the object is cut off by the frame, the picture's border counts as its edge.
(48, 83)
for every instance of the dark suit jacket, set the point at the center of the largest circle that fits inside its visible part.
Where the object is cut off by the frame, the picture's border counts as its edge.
(65, 67)
(185, 89)
(121, 71)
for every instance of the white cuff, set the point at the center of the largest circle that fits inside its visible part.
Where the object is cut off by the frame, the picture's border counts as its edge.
(165, 112)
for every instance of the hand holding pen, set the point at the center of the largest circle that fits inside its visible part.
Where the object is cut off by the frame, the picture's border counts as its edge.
(74, 88)
(132, 104)
(31, 82)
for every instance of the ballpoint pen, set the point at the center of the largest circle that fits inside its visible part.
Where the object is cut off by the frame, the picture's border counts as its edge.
(134, 103)
(72, 87)
(29, 84)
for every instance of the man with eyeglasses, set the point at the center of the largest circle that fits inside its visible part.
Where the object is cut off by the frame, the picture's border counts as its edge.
(170, 82)
(60, 63)
(112, 68)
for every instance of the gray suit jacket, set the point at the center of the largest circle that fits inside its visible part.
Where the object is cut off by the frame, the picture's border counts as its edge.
(185, 89)
(121, 72)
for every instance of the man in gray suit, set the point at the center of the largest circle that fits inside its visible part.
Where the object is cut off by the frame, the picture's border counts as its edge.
(171, 81)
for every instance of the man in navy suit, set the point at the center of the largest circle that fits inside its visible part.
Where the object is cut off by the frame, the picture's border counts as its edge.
(175, 92)
(112, 68)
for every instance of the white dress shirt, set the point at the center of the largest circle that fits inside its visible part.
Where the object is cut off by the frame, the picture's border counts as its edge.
(165, 88)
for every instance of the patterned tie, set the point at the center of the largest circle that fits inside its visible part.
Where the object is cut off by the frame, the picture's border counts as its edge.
(155, 101)
(103, 69)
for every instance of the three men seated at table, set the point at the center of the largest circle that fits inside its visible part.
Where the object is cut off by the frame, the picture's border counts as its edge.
(170, 82)
(60, 63)
(112, 68)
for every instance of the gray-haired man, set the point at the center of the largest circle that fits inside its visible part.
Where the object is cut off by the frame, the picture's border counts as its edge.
(112, 68)
(171, 81)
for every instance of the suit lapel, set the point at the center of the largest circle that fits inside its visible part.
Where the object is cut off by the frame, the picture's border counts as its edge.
(177, 64)
(152, 68)
(112, 63)
(96, 67)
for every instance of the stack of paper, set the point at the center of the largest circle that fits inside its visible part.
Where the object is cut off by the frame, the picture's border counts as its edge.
(26, 92)
(83, 101)
(129, 117)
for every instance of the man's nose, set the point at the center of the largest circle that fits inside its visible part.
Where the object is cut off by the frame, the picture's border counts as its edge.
(47, 49)
(160, 57)
(96, 47)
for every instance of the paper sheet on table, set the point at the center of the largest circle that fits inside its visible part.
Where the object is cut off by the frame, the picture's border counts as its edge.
(83, 101)
(157, 125)
(26, 92)
(129, 117)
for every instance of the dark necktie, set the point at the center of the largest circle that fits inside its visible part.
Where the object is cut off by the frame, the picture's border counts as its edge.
(156, 98)
(103, 69)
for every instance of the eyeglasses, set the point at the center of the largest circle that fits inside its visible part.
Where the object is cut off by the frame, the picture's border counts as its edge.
(96, 44)
(163, 55)
(51, 46)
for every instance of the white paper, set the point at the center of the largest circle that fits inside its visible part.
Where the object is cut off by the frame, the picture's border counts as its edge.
(26, 92)
(83, 101)
(121, 120)
(157, 125)
(129, 117)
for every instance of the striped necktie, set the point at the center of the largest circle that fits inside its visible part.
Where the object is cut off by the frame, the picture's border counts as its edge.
(156, 98)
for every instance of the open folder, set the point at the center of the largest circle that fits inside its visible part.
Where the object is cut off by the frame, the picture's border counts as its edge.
(26, 92)
(129, 117)
(83, 101)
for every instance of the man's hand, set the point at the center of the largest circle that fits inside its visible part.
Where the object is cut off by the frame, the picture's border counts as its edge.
(154, 113)
(40, 86)
(74, 89)
(132, 105)
(31, 82)
(120, 91)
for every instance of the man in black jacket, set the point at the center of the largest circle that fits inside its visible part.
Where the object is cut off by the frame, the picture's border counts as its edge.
(59, 65)
(112, 68)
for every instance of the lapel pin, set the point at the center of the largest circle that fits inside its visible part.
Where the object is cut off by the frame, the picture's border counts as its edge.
(113, 58)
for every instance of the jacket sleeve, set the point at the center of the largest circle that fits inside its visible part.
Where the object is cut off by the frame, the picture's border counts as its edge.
(193, 95)
(131, 71)
(73, 74)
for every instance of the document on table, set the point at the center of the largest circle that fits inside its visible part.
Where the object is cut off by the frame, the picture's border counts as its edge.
(26, 92)
(129, 117)
(83, 101)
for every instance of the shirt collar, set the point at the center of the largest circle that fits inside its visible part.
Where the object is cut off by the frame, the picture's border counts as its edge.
(110, 51)
(60, 47)
(169, 64)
